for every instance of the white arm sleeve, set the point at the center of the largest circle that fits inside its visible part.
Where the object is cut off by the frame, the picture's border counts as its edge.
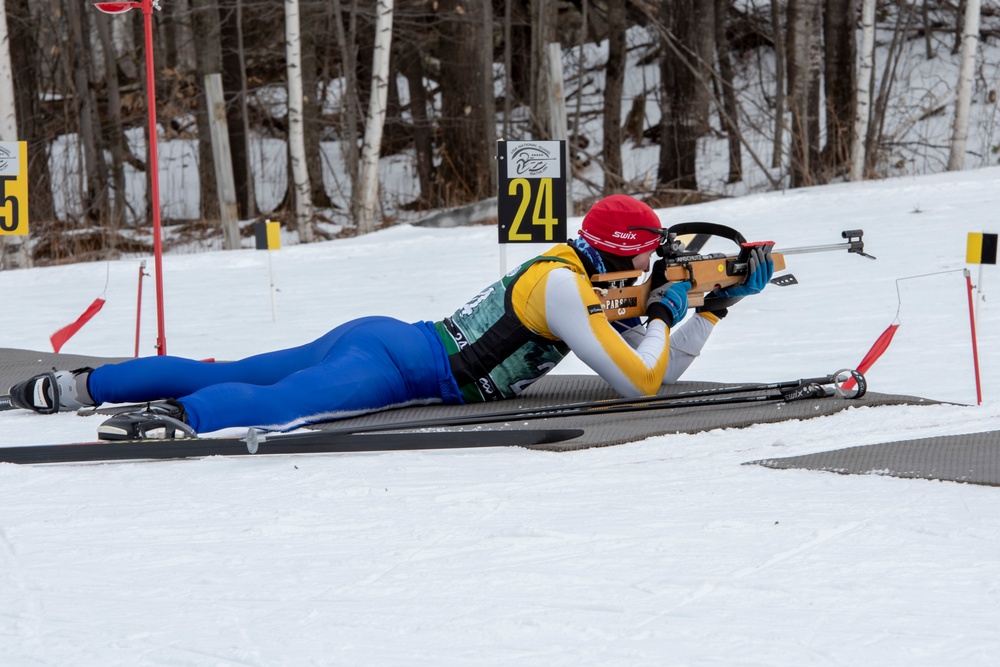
(686, 343)
(632, 372)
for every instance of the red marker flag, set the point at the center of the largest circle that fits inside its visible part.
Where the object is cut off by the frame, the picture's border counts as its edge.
(60, 337)
(873, 354)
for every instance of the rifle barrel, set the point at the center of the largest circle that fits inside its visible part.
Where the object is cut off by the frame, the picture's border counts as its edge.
(814, 248)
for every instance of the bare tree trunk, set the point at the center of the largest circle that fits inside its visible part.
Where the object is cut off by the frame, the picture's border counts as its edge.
(299, 184)
(412, 67)
(246, 187)
(13, 249)
(779, 84)
(815, 84)
(234, 86)
(208, 60)
(702, 44)
(865, 82)
(488, 105)
(508, 66)
(614, 87)
(139, 37)
(801, 37)
(465, 148)
(168, 28)
(376, 117)
(928, 29)
(96, 196)
(352, 105)
(542, 34)
(679, 117)
(961, 9)
(311, 104)
(874, 139)
(960, 128)
(8, 111)
(25, 57)
(115, 132)
(730, 117)
(839, 81)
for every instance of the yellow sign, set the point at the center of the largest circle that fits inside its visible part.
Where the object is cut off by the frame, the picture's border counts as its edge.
(531, 195)
(13, 188)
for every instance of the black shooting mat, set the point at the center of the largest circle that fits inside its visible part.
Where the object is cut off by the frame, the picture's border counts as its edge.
(553, 390)
(973, 458)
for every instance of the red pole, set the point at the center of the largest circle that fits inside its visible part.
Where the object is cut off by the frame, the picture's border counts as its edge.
(154, 176)
(975, 349)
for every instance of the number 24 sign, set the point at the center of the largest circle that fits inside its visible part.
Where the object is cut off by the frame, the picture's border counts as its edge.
(531, 192)
(13, 188)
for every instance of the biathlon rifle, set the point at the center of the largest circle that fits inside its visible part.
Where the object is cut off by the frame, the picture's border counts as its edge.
(621, 299)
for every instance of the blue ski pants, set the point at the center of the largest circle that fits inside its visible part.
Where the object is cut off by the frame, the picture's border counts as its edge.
(365, 365)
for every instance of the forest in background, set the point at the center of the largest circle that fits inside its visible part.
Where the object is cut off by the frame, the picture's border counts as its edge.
(775, 81)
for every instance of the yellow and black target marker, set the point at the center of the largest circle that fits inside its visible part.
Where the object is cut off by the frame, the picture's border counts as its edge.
(981, 249)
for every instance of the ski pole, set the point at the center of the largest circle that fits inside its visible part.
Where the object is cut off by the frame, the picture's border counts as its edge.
(786, 391)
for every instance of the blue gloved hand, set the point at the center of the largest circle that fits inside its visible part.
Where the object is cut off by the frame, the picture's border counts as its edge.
(669, 302)
(760, 268)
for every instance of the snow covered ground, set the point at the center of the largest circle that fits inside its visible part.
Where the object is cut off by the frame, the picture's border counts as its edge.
(667, 551)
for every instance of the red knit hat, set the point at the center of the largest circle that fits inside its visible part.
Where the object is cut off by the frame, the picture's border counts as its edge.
(606, 226)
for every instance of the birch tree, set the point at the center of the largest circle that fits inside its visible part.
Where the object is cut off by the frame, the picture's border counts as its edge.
(296, 135)
(960, 128)
(864, 91)
(13, 253)
(370, 149)
(8, 116)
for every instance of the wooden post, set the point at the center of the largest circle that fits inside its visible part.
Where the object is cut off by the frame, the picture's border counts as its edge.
(557, 115)
(222, 157)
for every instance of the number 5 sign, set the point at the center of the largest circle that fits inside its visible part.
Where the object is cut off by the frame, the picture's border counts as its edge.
(531, 192)
(13, 188)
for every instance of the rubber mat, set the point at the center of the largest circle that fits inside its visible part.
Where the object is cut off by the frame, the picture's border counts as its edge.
(973, 458)
(553, 390)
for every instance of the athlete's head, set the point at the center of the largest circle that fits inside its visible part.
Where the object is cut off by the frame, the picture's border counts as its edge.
(622, 226)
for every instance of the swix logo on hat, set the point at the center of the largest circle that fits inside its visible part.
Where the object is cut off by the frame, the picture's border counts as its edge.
(609, 226)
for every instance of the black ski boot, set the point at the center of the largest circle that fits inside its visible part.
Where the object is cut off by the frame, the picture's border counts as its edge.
(162, 420)
(55, 391)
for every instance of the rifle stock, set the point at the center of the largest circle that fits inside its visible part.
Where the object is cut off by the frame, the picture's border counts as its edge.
(706, 273)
